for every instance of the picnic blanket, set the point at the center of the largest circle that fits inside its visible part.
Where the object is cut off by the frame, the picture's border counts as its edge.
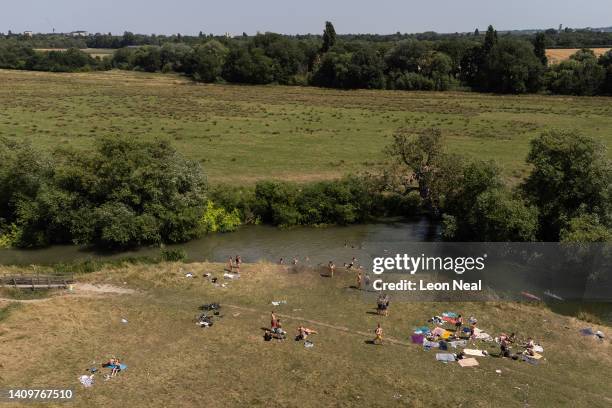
(587, 331)
(417, 338)
(474, 352)
(121, 366)
(458, 343)
(530, 359)
(430, 344)
(535, 356)
(446, 357)
(438, 331)
(450, 320)
(421, 330)
(468, 362)
(446, 334)
(479, 334)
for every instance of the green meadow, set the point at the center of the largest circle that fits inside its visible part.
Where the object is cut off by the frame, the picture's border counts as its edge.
(242, 134)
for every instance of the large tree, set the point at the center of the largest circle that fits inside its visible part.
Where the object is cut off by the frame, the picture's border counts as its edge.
(329, 37)
(539, 48)
(571, 176)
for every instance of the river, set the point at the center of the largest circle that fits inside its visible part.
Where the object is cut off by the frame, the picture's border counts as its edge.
(262, 243)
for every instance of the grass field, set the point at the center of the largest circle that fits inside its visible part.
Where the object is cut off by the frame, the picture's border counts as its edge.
(174, 363)
(556, 55)
(245, 133)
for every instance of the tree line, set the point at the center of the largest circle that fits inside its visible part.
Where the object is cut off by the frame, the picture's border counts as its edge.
(14, 55)
(566, 38)
(483, 62)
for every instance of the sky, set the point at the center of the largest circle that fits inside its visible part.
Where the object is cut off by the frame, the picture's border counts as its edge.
(298, 17)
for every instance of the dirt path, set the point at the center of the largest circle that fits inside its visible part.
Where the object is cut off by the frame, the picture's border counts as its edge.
(321, 324)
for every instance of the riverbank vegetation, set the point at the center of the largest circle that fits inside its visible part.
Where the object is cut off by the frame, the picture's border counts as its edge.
(483, 62)
(127, 194)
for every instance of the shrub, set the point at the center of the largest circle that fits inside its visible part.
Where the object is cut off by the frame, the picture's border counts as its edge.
(173, 255)
(10, 237)
(218, 219)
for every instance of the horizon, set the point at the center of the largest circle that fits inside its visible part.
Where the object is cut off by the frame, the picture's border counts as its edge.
(189, 17)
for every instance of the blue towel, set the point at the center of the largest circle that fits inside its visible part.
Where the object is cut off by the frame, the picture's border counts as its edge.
(422, 330)
(120, 367)
(450, 314)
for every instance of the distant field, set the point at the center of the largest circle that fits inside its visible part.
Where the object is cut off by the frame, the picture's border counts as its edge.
(246, 133)
(557, 55)
(94, 52)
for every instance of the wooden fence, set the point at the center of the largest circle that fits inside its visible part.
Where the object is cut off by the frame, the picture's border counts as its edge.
(36, 281)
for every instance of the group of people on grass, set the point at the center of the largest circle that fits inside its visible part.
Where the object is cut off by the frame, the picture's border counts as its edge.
(276, 330)
(382, 308)
(233, 264)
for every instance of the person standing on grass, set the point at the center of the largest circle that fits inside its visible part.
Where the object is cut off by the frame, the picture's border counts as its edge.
(238, 262)
(458, 324)
(379, 335)
(230, 264)
(331, 268)
(273, 320)
(359, 280)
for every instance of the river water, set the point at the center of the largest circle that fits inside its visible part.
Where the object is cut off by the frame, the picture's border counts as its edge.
(263, 243)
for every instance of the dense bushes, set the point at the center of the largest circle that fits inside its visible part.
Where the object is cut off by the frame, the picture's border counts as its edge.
(567, 196)
(347, 201)
(122, 194)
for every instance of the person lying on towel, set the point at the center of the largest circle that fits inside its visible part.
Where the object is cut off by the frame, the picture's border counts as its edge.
(304, 332)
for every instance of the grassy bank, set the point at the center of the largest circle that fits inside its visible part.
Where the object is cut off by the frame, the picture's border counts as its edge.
(246, 133)
(172, 361)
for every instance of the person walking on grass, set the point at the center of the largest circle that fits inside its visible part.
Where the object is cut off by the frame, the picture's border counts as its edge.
(379, 335)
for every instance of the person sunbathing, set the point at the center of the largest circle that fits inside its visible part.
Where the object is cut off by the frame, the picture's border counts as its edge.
(304, 332)
(529, 346)
(116, 368)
